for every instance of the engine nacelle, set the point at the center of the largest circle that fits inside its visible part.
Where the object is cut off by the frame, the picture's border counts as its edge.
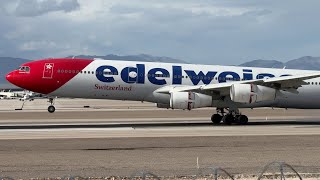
(251, 93)
(189, 100)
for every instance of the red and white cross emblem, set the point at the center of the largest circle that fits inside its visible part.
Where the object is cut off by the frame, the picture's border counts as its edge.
(48, 70)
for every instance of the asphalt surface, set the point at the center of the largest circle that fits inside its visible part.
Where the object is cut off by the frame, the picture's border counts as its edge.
(121, 139)
(160, 155)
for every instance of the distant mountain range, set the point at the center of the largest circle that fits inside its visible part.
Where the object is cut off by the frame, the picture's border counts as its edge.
(7, 64)
(305, 62)
(140, 57)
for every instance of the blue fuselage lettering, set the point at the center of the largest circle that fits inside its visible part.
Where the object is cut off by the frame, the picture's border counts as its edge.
(161, 76)
(105, 73)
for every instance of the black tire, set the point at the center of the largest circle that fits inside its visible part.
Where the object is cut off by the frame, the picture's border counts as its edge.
(243, 119)
(228, 119)
(51, 109)
(216, 118)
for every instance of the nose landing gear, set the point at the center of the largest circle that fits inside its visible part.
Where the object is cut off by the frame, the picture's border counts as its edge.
(51, 108)
(232, 117)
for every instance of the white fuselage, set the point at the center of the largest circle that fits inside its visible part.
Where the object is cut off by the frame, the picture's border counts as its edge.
(137, 81)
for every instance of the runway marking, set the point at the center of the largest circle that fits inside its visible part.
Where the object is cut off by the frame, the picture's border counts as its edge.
(77, 109)
(60, 121)
(155, 132)
(108, 119)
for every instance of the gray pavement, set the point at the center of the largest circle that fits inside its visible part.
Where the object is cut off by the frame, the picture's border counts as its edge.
(120, 138)
(162, 155)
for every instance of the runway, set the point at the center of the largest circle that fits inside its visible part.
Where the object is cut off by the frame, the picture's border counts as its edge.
(121, 138)
(173, 128)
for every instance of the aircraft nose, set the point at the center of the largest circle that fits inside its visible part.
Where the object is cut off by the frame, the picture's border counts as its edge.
(9, 77)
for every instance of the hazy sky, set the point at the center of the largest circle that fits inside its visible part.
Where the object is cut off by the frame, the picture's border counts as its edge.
(197, 31)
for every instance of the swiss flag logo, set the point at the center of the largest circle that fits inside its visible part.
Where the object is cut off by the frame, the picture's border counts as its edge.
(48, 70)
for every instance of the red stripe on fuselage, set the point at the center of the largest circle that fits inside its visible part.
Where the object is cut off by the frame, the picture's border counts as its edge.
(44, 76)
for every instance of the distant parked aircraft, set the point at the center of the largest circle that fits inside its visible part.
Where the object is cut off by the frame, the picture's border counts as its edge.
(22, 95)
(9, 94)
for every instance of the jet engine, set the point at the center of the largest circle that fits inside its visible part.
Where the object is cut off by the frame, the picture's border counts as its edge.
(251, 93)
(189, 100)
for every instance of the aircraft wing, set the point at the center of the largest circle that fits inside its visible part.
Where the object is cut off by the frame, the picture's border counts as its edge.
(286, 83)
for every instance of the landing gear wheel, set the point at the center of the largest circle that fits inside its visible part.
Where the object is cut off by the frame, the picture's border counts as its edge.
(51, 109)
(243, 119)
(228, 119)
(216, 118)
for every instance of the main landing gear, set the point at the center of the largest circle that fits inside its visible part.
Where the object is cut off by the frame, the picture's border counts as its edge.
(232, 117)
(51, 108)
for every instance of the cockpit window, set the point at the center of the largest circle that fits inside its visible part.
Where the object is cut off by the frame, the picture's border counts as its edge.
(24, 69)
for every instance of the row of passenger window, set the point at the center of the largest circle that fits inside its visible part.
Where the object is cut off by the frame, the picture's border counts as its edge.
(74, 71)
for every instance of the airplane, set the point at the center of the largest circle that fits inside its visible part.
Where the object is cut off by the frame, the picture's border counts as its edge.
(11, 94)
(22, 95)
(172, 85)
(28, 96)
(7, 94)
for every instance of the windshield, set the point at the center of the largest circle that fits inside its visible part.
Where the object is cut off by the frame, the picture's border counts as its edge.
(24, 68)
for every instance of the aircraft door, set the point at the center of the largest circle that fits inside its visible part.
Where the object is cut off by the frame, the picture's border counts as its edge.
(48, 70)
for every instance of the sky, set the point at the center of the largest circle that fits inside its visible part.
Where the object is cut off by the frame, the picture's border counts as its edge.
(197, 31)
